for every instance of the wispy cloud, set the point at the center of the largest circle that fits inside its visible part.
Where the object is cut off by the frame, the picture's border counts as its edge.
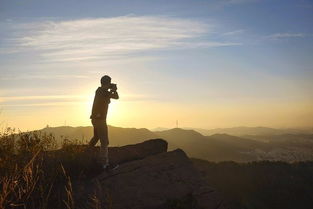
(42, 104)
(19, 98)
(45, 77)
(232, 33)
(106, 38)
(236, 1)
(223, 3)
(285, 35)
(47, 100)
(40, 100)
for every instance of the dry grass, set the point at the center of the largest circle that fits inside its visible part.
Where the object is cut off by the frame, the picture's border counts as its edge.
(32, 176)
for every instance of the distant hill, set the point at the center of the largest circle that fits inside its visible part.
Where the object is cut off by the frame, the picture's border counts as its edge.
(180, 137)
(240, 131)
(219, 147)
(159, 129)
(216, 147)
(118, 136)
(261, 184)
(284, 138)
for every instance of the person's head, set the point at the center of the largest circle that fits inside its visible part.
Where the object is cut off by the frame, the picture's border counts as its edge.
(105, 81)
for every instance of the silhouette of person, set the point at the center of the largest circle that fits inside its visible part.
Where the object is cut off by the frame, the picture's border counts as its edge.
(98, 116)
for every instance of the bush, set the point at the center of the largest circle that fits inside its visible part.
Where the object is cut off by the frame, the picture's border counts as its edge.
(34, 175)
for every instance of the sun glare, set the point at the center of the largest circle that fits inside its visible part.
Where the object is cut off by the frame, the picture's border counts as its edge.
(115, 115)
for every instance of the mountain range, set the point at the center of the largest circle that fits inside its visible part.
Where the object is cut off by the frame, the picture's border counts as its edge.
(252, 146)
(241, 131)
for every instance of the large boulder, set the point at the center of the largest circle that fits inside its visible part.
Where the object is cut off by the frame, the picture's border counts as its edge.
(137, 151)
(83, 160)
(149, 177)
(155, 182)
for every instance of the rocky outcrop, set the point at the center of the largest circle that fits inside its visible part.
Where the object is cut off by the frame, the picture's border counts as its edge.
(149, 178)
(81, 159)
(137, 151)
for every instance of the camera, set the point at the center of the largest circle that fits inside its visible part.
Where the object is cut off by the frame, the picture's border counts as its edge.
(113, 87)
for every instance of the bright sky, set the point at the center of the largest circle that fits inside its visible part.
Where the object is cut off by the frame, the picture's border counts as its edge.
(207, 64)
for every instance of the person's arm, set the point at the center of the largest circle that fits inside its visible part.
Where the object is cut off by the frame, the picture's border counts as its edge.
(114, 95)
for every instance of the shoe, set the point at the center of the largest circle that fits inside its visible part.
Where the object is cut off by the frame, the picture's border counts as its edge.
(110, 167)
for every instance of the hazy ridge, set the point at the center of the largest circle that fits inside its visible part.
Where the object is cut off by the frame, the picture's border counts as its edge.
(257, 145)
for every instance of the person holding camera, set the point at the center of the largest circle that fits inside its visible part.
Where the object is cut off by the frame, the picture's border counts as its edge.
(98, 116)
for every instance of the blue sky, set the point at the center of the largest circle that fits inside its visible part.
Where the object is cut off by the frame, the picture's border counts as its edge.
(205, 63)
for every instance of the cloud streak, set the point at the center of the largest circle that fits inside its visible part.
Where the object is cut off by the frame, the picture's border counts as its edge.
(108, 38)
(45, 77)
(224, 3)
(19, 98)
(276, 36)
(43, 100)
(233, 33)
(236, 1)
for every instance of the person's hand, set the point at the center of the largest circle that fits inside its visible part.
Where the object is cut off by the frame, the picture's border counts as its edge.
(114, 87)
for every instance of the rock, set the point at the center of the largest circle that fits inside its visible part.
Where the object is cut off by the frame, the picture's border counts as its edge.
(149, 177)
(125, 153)
(137, 151)
(153, 182)
(78, 159)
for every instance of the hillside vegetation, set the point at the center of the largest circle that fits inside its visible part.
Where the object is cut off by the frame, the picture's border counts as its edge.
(261, 185)
(33, 175)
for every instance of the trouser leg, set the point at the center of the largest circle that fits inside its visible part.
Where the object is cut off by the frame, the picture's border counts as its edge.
(104, 155)
(93, 141)
(102, 132)
(104, 140)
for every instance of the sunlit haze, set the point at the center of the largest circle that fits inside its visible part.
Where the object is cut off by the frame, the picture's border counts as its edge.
(205, 64)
